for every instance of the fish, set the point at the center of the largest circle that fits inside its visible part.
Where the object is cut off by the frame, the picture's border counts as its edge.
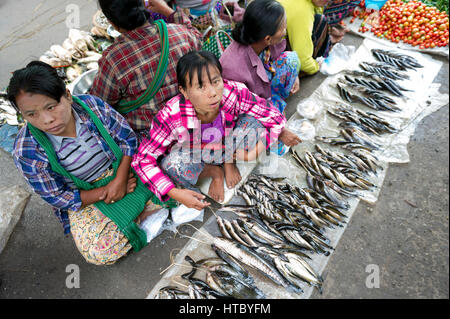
(249, 258)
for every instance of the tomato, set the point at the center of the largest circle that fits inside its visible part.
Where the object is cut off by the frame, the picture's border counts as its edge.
(414, 23)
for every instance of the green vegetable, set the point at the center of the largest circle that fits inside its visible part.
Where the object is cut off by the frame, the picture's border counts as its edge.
(442, 5)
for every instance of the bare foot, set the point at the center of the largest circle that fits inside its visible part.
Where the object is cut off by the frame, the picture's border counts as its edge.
(232, 174)
(216, 190)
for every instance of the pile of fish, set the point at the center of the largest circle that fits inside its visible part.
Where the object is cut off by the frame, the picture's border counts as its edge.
(273, 234)
(373, 85)
(366, 121)
(225, 278)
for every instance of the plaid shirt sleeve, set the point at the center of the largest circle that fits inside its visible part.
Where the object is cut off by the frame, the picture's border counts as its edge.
(162, 136)
(238, 99)
(31, 160)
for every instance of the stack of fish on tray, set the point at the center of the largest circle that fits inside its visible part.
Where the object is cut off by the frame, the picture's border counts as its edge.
(272, 234)
(339, 175)
(373, 85)
(357, 126)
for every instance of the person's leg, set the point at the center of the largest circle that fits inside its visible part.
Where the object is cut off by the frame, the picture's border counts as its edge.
(336, 10)
(287, 67)
(97, 237)
(245, 136)
(320, 36)
(216, 189)
(185, 171)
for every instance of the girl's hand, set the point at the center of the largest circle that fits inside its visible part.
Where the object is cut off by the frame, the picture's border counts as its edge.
(288, 138)
(188, 198)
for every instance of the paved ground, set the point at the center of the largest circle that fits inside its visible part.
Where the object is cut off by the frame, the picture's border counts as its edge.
(408, 242)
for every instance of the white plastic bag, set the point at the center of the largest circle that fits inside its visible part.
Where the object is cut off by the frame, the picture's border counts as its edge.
(338, 59)
(152, 225)
(309, 109)
(303, 128)
(182, 214)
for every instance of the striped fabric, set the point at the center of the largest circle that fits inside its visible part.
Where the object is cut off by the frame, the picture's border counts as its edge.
(320, 36)
(128, 66)
(177, 123)
(81, 156)
(336, 10)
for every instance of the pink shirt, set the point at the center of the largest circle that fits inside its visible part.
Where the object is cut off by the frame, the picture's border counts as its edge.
(250, 69)
(177, 120)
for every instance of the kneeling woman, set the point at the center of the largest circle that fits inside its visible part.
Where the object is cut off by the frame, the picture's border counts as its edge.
(186, 137)
(75, 152)
(264, 66)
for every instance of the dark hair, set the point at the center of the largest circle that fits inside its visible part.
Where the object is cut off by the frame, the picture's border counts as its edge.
(261, 18)
(126, 14)
(195, 62)
(38, 78)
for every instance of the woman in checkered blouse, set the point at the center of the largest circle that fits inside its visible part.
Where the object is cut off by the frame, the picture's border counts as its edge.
(129, 65)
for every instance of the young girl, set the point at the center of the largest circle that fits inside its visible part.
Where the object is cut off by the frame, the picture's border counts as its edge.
(75, 152)
(186, 137)
(264, 66)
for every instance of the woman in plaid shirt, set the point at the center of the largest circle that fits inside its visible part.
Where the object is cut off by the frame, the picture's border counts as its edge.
(187, 135)
(128, 66)
(41, 97)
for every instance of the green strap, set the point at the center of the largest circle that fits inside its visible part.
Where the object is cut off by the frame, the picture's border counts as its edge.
(122, 213)
(125, 107)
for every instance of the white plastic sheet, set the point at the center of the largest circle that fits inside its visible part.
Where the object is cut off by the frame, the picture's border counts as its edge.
(424, 100)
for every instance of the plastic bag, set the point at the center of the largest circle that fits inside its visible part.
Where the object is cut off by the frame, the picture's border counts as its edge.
(303, 128)
(309, 109)
(338, 59)
(182, 214)
(152, 225)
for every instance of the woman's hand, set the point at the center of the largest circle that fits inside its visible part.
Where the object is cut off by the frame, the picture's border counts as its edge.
(115, 190)
(189, 198)
(159, 6)
(288, 138)
(131, 184)
(296, 86)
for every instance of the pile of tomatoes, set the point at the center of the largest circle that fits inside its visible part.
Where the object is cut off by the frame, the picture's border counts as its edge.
(411, 22)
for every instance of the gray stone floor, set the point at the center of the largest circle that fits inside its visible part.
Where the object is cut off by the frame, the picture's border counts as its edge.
(409, 243)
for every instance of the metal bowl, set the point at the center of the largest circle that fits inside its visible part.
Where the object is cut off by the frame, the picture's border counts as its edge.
(82, 84)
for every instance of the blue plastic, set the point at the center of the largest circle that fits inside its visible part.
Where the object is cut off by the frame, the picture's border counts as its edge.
(374, 4)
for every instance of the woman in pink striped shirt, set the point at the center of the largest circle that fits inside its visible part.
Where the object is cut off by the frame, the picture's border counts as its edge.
(202, 131)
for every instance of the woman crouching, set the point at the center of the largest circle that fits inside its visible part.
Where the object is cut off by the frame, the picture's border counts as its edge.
(201, 132)
(75, 153)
